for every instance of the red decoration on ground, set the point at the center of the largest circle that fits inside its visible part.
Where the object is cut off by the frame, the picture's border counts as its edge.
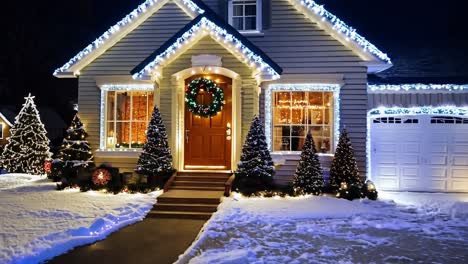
(101, 177)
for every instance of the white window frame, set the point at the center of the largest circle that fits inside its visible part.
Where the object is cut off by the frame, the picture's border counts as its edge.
(258, 16)
(104, 123)
(303, 87)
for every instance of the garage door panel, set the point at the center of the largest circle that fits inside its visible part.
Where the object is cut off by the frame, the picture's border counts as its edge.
(460, 149)
(439, 148)
(437, 185)
(387, 171)
(412, 172)
(459, 185)
(439, 137)
(460, 138)
(437, 172)
(390, 184)
(409, 184)
(387, 147)
(438, 160)
(460, 173)
(410, 159)
(460, 160)
(388, 159)
(412, 148)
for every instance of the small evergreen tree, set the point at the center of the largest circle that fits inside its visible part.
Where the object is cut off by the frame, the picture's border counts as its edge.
(28, 146)
(308, 178)
(75, 150)
(156, 158)
(344, 167)
(256, 168)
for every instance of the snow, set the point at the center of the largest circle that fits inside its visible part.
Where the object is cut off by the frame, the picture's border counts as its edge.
(398, 228)
(38, 222)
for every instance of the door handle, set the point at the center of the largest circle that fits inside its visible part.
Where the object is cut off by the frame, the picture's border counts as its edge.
(187, 135)
(228, 131)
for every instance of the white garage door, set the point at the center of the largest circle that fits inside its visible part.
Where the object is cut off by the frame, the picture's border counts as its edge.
(420, 153)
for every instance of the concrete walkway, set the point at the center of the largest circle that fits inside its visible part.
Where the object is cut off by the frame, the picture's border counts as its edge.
(150, 241)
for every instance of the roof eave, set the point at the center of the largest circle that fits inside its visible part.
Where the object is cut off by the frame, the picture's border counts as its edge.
(376, 66)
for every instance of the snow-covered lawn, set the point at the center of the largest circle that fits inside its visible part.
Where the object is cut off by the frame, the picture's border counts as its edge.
(37, 222)
(399, 228)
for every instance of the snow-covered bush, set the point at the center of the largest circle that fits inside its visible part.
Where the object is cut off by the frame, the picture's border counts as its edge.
(256, 169)
(308, 178)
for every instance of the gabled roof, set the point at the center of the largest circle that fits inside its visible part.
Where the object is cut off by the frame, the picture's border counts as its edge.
(6, 120)
(377, 60)
(235, 42)
(118, 31)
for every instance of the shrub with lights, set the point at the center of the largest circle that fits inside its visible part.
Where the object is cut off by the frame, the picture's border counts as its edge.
(256, 169)
(27, 149)
(156, 159)
(74, 156)
(344, 173)
(308, 178)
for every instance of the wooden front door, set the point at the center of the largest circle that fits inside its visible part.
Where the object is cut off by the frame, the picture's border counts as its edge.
(207, 143)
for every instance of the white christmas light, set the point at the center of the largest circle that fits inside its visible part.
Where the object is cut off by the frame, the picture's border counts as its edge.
(335, 88)
(202, 27)
(342, 28)
(128, 19)
(416, 87)
(115, 87)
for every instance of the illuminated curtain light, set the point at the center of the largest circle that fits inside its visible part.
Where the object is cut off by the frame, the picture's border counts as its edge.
(128, 19)
(118, 87)
(342, 28)
(335, 88)
(426, 110)
(416, 87)
(249, 57)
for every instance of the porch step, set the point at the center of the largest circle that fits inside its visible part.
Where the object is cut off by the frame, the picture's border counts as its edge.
(205, 174)
(190, 207)
(198, 183)
(197, 188)
(203, 178)
(180, 215)
(190, 197)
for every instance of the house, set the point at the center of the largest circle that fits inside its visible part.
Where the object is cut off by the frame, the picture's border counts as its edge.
(5, 126)
(292, 62)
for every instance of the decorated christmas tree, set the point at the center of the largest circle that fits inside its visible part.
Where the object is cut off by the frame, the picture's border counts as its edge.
(344, 170)
(308, 178)
(28, 146)
(256, 169)
(75, 150)
(156, 158)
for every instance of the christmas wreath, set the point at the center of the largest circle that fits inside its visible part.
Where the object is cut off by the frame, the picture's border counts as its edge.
(202, 84)
(101, 177)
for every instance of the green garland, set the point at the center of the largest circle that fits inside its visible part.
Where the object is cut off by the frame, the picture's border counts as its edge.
(210, 87)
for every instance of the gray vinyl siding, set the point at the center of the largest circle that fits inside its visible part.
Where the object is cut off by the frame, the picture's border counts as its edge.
(409, 99)
(120, 60)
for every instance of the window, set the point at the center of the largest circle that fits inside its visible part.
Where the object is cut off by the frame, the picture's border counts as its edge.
(1, 130)
(245, 15)
(448, 120)
(127, 117)
(297, 112)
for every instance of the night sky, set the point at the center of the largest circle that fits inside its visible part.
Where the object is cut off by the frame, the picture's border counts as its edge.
(423, 38)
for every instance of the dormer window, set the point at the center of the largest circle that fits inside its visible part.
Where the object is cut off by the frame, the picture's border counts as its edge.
(246, 15)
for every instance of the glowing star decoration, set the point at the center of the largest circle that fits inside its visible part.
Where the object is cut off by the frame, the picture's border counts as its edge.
(203, 28)
(310, 87)
(116, 87)
(342, 28)
(416, 87)
(142, 9)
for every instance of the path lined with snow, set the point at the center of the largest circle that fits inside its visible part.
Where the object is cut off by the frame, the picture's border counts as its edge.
(38, 222)
(400, 228)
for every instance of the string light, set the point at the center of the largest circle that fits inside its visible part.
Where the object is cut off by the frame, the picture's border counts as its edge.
(312, 87)
(249, 57)
(142, 9)
(416, 87)
(342, 28)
